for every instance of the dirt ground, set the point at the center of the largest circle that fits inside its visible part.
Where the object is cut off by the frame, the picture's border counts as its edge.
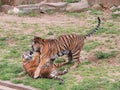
(6, 85)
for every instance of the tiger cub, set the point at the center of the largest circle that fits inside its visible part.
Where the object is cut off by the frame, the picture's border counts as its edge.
(49, 70)
(50, 49)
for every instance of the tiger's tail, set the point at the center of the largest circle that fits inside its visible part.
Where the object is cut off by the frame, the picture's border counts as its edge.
(97, 27)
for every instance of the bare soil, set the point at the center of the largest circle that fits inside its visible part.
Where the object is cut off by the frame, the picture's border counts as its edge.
(6, 85)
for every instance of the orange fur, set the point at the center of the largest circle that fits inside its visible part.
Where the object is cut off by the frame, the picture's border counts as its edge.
(47, 70)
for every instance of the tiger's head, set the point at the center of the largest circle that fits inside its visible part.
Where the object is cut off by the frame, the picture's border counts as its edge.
(27, 56)
(37, 44)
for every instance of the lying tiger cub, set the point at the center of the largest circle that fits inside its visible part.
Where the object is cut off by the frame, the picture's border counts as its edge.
(49, 70)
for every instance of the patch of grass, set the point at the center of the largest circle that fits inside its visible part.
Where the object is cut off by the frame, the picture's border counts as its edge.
(17, 81)
(50, 11)
(26, 25)
(58, 30)
(0, 2)
(71, 1)
(96, 12)
(104, 55)
(31, 14)
(75, 14)
(88, 70)
(9, 70)
(50, 33)
(13, 53)
(86, 63)
(97, 84)
(41, 83)
(7, 76)
(111, 31)
(59, 60)
(3, 42)
(91, 46)
(115, 16)
(115, 86)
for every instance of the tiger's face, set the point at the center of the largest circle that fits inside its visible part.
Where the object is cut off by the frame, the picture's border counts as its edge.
(27, 56)
(37, 44)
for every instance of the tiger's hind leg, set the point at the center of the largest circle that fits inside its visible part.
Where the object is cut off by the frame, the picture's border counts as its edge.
(69, 58)
(67, 61)
(76, 58)
(55, 74)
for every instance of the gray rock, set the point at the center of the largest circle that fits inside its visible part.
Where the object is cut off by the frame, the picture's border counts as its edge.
(88, 12)
(5, 8)
(58, 6)
(77, 7)
(116, 12)
(113, 8)
(97, 7)
(15, 11)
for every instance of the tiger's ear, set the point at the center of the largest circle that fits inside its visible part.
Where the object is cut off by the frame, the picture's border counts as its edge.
(38, 38)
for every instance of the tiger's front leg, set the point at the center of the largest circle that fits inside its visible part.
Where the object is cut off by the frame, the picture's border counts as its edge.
(42, 62)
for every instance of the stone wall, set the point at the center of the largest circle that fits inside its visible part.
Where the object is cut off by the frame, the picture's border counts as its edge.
(105, 3)
(18, 2)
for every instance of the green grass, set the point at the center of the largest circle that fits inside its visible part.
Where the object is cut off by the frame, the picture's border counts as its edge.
(51, 12)
(104, 55)
(9, 70)
(2, 42)
(31, 14)
(76, 14)
(115, 16)
(58, 30)
(0, 2)
(71, 1)
(91, 46)
(97, 84)
(96, 12)
(50, 33)
(16, 81)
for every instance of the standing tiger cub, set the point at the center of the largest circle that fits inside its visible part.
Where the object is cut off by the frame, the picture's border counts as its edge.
(70, 45)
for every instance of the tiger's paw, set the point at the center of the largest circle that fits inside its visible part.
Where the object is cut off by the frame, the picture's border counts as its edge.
(36, 74)
(65, 71)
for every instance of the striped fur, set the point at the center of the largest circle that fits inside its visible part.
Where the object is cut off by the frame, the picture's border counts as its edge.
(70, 45)
(49, 70)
